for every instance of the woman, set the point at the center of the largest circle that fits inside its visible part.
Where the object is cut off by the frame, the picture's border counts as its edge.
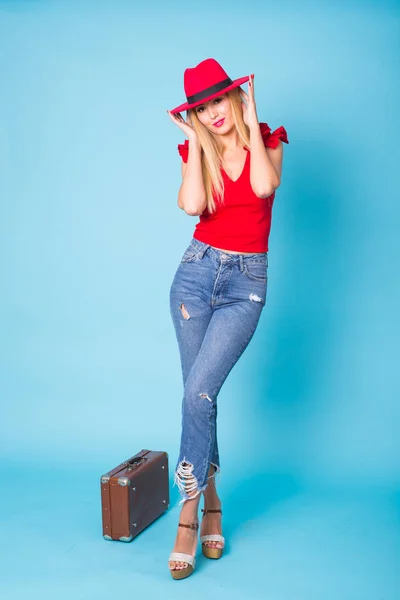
(231, 167)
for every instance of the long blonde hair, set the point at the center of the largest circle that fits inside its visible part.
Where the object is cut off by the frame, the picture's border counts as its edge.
(211, 158)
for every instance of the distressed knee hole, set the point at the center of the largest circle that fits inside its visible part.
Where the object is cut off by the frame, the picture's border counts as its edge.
(217, 470)
(214, 473)
(255, 298)
(204, 395)
(185, 480)
(184, 311)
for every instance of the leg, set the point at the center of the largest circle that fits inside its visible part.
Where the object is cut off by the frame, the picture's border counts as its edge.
(191, 316)
(229, 332)
(211, 522)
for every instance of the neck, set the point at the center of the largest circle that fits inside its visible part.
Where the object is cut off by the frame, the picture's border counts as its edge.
(230, 140)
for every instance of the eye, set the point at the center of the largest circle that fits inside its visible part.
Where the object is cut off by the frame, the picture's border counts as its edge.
(218, 100)
(199, 109)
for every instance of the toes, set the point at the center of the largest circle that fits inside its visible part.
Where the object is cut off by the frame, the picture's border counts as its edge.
(177, 566)
(210, 544)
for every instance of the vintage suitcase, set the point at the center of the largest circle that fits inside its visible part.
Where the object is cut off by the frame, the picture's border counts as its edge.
(134, 494)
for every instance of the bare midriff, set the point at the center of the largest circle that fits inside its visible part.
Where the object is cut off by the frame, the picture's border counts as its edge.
(233, 251)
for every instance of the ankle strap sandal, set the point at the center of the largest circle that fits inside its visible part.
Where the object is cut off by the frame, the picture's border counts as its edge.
(183, 557)
(213, 537)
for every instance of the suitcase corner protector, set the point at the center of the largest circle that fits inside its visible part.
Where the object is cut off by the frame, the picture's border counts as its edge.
(124, 481)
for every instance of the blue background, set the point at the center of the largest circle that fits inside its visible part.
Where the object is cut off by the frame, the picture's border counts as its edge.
(90, 238)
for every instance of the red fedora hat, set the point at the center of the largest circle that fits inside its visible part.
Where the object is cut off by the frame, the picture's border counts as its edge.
(204, 82)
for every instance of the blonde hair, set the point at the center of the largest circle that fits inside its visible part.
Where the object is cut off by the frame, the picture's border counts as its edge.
(211, 158)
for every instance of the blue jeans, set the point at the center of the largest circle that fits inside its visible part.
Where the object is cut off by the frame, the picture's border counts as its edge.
(216, 301)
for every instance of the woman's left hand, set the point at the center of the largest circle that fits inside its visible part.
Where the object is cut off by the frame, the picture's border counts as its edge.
(250, 111)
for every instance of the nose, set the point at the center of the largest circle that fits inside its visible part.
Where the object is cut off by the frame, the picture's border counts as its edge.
(213, 113)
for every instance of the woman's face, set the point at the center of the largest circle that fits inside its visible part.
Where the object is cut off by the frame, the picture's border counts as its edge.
(216, 115)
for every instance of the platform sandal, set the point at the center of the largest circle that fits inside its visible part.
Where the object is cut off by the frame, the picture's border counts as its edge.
(213, 537)
(182, 557)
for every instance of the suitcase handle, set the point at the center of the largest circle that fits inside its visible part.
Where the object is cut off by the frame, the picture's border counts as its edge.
(136, 460)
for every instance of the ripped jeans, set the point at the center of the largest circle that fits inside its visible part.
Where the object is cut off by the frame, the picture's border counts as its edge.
(216, 301)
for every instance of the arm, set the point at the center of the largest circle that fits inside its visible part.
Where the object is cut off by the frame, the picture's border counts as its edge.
(192, 194)
(265, 165)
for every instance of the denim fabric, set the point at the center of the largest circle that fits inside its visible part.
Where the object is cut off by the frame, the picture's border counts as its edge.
(216, 301)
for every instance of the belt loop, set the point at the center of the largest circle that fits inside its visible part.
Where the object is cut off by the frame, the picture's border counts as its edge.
(203, 250)
(241, 262)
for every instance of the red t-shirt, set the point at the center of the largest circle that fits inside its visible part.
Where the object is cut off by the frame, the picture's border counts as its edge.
(243, 222)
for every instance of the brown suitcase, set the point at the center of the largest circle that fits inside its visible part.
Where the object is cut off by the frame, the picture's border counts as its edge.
(134, 494)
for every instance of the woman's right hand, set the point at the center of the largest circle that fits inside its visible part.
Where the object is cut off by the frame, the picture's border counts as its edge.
(186, 127)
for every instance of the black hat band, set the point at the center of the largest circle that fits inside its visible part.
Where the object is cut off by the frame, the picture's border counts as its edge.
(214, 89)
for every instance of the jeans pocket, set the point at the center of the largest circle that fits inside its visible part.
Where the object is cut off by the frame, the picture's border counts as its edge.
(257, 271)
